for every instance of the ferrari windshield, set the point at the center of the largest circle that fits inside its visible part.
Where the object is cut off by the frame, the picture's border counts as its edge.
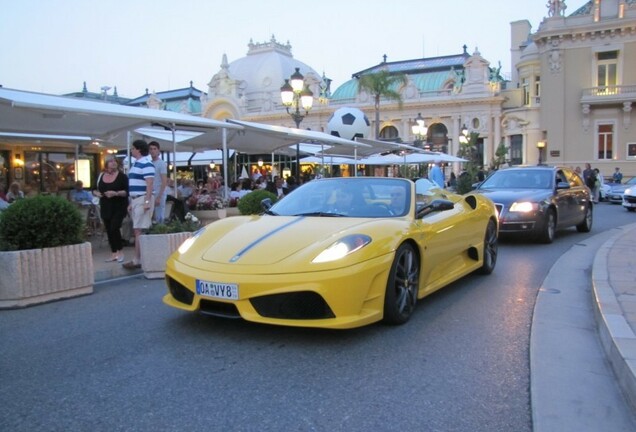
(519, 179)
(348, 197)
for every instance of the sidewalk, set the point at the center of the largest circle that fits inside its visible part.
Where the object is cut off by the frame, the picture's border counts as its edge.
(105, 271)
(614, 287)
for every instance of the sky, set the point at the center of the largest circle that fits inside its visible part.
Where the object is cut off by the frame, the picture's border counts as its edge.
(53, 46)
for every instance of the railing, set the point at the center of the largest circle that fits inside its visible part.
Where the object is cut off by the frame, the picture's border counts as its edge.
(616, 90)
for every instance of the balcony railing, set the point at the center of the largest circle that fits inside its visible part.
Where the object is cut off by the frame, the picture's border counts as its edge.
(603, 94)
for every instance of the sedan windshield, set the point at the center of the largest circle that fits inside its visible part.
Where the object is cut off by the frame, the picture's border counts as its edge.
(348, 197)
(519, 179)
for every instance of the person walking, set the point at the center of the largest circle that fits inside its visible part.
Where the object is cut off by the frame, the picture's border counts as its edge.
(436, 175)
(112, 191)
(617, 176)
(160, 181)
(140, 186)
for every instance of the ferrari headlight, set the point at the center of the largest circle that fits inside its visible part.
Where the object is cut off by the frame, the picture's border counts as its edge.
(189, 241)
(524, 207)
(343, 247)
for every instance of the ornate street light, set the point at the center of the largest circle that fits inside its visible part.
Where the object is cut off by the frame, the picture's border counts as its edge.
(419, 129)
(540, 147)
(295, 94)
(463, 137)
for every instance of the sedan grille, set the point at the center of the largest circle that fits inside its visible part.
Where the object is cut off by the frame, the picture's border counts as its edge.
(297, 305)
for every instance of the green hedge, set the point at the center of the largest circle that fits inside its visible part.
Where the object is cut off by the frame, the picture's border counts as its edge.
(40, 222)
(250, 204)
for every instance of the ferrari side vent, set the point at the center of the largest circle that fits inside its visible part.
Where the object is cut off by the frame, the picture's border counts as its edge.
(179, 292)
(471, 201)
(296, 305)
(473, 253)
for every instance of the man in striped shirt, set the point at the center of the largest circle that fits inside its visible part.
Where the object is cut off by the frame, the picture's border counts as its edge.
(140, 183)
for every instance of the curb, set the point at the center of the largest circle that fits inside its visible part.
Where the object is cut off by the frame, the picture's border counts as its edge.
(617, 337)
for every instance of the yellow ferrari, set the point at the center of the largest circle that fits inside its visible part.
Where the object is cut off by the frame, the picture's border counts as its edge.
(335, 253)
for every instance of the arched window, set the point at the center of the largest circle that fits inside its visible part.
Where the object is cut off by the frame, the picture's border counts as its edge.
(389, 133)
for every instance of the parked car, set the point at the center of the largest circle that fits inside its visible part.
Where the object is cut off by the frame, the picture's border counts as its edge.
(629, 195)
(335, 253)
(616, 194)
(538, 200)
(604, 192)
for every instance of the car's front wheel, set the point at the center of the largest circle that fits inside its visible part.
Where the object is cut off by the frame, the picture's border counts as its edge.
(549, 227)
(401, 289)
(491, 243)
(586, 224)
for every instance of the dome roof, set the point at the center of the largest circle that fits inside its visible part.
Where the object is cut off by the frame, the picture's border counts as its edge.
(530, 52)
(266, 67)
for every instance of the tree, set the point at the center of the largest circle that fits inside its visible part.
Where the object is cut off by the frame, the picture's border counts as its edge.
(500, 157)
(382, 84)
(468, 151)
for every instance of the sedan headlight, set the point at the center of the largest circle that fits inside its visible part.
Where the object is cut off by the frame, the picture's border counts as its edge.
(342, 248)
(628, 191)
(189, 241)
(524, 207)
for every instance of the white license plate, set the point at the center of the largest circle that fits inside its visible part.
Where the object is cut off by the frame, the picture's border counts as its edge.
(217, 290)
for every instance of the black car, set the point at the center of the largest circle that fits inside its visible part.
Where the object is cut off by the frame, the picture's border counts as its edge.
(538, 200)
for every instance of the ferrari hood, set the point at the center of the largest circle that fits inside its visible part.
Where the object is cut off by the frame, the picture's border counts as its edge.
(266, 240)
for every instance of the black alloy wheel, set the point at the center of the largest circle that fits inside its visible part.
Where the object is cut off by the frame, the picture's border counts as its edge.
(402, 287)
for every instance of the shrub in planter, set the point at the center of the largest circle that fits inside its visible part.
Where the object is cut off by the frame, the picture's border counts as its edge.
(250, 204)
(175, 226)
(40, 222)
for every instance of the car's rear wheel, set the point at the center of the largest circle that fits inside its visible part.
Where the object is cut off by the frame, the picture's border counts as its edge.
(586, 224)
(401, 289)
(631, 209)
(549, 227)
(491, 245)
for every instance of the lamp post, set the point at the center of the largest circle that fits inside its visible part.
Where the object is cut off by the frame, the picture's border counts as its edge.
(419, 129)
(540, 147)
(296, 94)
(463, 137)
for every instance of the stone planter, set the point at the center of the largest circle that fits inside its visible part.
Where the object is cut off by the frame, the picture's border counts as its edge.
(155, 250)
(41, 275)
(209, 216)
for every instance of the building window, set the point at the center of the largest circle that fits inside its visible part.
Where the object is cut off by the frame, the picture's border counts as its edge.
(51, 172)
(537, 90)
(526, 91)
(607, 71)
(605, 140)
(389, 133)
(516, 150)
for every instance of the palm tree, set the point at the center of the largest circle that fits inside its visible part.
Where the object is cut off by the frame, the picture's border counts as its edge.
(382, 84)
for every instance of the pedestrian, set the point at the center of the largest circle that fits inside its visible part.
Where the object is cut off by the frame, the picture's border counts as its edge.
(617, 176)
(160, 182)
(598, 182)
(140, 186)
(436, 175)
(588, 176)
(112, 191)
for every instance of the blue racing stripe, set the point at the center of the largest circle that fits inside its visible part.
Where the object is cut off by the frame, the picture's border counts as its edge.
(263, 238)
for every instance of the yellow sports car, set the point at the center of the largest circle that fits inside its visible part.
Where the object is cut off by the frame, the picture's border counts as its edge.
(335, 253)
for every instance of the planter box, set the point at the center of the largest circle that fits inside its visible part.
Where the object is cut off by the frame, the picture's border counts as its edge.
(42, 275)
(209, 216)
(155, 250)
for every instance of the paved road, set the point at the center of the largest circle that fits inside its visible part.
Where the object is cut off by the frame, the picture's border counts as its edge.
(121, 360)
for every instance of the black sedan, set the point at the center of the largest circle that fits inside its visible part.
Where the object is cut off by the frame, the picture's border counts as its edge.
(538, 200)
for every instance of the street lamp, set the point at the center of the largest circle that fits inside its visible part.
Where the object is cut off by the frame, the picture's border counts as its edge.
(540, 147)
(463, 137)
(419, 129)
(296, 94)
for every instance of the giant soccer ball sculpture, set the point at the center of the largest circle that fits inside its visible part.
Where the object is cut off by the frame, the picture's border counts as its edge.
(349, 123)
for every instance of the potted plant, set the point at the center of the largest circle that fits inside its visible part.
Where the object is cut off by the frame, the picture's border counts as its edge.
(159, 242)
(220, 204)
(43, 255)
